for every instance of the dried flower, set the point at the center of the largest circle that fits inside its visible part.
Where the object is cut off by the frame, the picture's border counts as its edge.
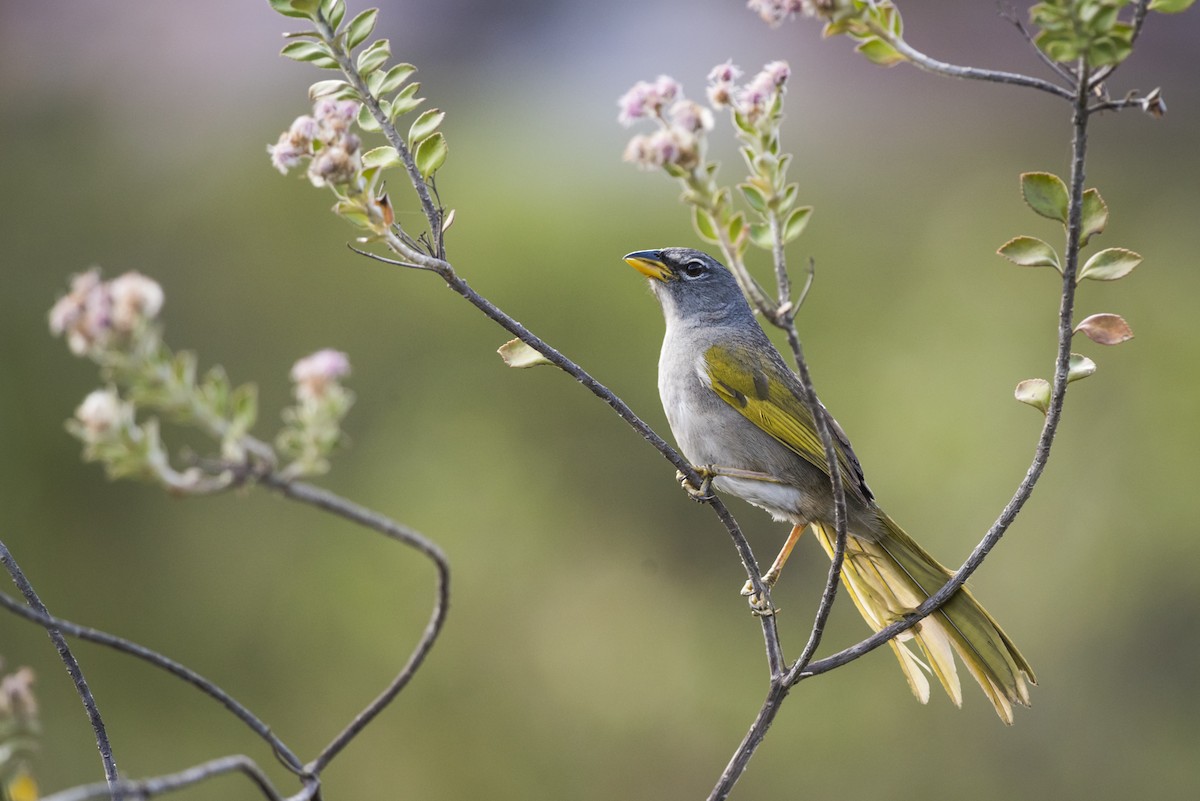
(646, 99)
(776, 11)
(721, 84)
(83, 314)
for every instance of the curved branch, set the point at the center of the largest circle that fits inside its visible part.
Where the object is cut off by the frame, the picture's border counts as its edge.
(50, 622)
(924, 62)
(144, 788)
(1049, 428)
(37, 611)
(335, 504)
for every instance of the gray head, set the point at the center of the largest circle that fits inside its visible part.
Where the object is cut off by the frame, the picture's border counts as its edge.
(691, 286)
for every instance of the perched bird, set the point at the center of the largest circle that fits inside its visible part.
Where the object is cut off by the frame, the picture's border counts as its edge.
(738, 415)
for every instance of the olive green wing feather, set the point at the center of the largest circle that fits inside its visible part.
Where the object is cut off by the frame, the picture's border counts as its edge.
(765, 392)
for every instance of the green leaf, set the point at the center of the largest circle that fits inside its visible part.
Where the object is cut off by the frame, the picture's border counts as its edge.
(1109, 265)
(431, 154)
(1095, 216)
(760, 235)
(706, 226)
(1046, 194)
(1035, 392)
(736, 226)
(754, 196)
(1079, 367)
(1105, 329)
(383, 157)
(331, 87)
(517, 354)
(366, 120)
(880, 52)
(394, 77)
(406, 101)
(797, 221)
(316, 52)
(1029, 251)
(304, 9)
(374, 56)
(1170, 6)
(360, 28)
(425, 124)
(335, 11)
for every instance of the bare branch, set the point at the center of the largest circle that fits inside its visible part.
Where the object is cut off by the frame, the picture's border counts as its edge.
(144, 788)
(37, 609)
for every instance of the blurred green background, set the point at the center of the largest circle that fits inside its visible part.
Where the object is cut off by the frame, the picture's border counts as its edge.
(596, 646)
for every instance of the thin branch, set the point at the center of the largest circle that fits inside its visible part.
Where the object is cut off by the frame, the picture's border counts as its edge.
(36, 607)
(144, 788)
(1009, 13)
(924, 62)
(1053, 414)
(334, 504)
(50, 622)
(1140, 9)
(432, 211)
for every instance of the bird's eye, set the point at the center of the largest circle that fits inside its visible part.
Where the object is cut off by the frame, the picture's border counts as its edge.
(694, 269)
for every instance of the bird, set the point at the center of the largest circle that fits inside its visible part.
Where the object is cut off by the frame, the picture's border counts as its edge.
(738, 414)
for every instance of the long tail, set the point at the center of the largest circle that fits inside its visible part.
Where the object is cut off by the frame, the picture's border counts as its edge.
(889, 577)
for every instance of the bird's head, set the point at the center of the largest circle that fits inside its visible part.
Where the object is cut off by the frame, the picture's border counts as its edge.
(691, 286)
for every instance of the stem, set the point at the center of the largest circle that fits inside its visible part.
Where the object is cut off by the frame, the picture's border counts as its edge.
(176, 781)
(1053, 413)
(924, 62)
(327, 501)
(758, 730)
(36, 607)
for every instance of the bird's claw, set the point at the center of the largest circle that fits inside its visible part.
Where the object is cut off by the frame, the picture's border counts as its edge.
(702, 493)
(759, 606)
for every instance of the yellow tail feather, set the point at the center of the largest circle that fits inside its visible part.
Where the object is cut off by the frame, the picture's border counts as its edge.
(889, 577)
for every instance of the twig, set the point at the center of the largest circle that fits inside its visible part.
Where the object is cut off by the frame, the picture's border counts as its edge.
(50, 622)
(1140, 9)
(327, 501)
(922, 61)
(1008, 13)
(144, 788)
(1053, 413)
(36, 607)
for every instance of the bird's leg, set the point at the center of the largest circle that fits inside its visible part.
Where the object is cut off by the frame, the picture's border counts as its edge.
(702, 493)
(757, 604)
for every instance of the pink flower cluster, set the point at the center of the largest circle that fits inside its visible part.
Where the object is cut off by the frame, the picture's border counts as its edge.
(95, 311)
(776, 11)
(326, 139)
(315, 374)
(682, 123)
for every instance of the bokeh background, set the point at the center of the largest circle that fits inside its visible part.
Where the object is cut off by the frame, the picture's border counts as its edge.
(596, 646)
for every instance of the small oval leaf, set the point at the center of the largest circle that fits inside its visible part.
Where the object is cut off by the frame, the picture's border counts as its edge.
(516, 353)
(302, 50)
(760, 235)
(1035, 392)
(706, 226)
(754, 197)
(405, 100)
(797, 221)
(1109, 265)
(1080, 367)
(1046, 194)
(425, 124)
(383, 157)
(1029, 251)
(327, 88)
(1105, 329)
(431, 154)
(366, 120)
(361, 27)
(394, 77)
(1094, 217)
(374, 56)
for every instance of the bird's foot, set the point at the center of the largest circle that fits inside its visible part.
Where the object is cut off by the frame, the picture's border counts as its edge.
(759, 606)
(702, 493)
